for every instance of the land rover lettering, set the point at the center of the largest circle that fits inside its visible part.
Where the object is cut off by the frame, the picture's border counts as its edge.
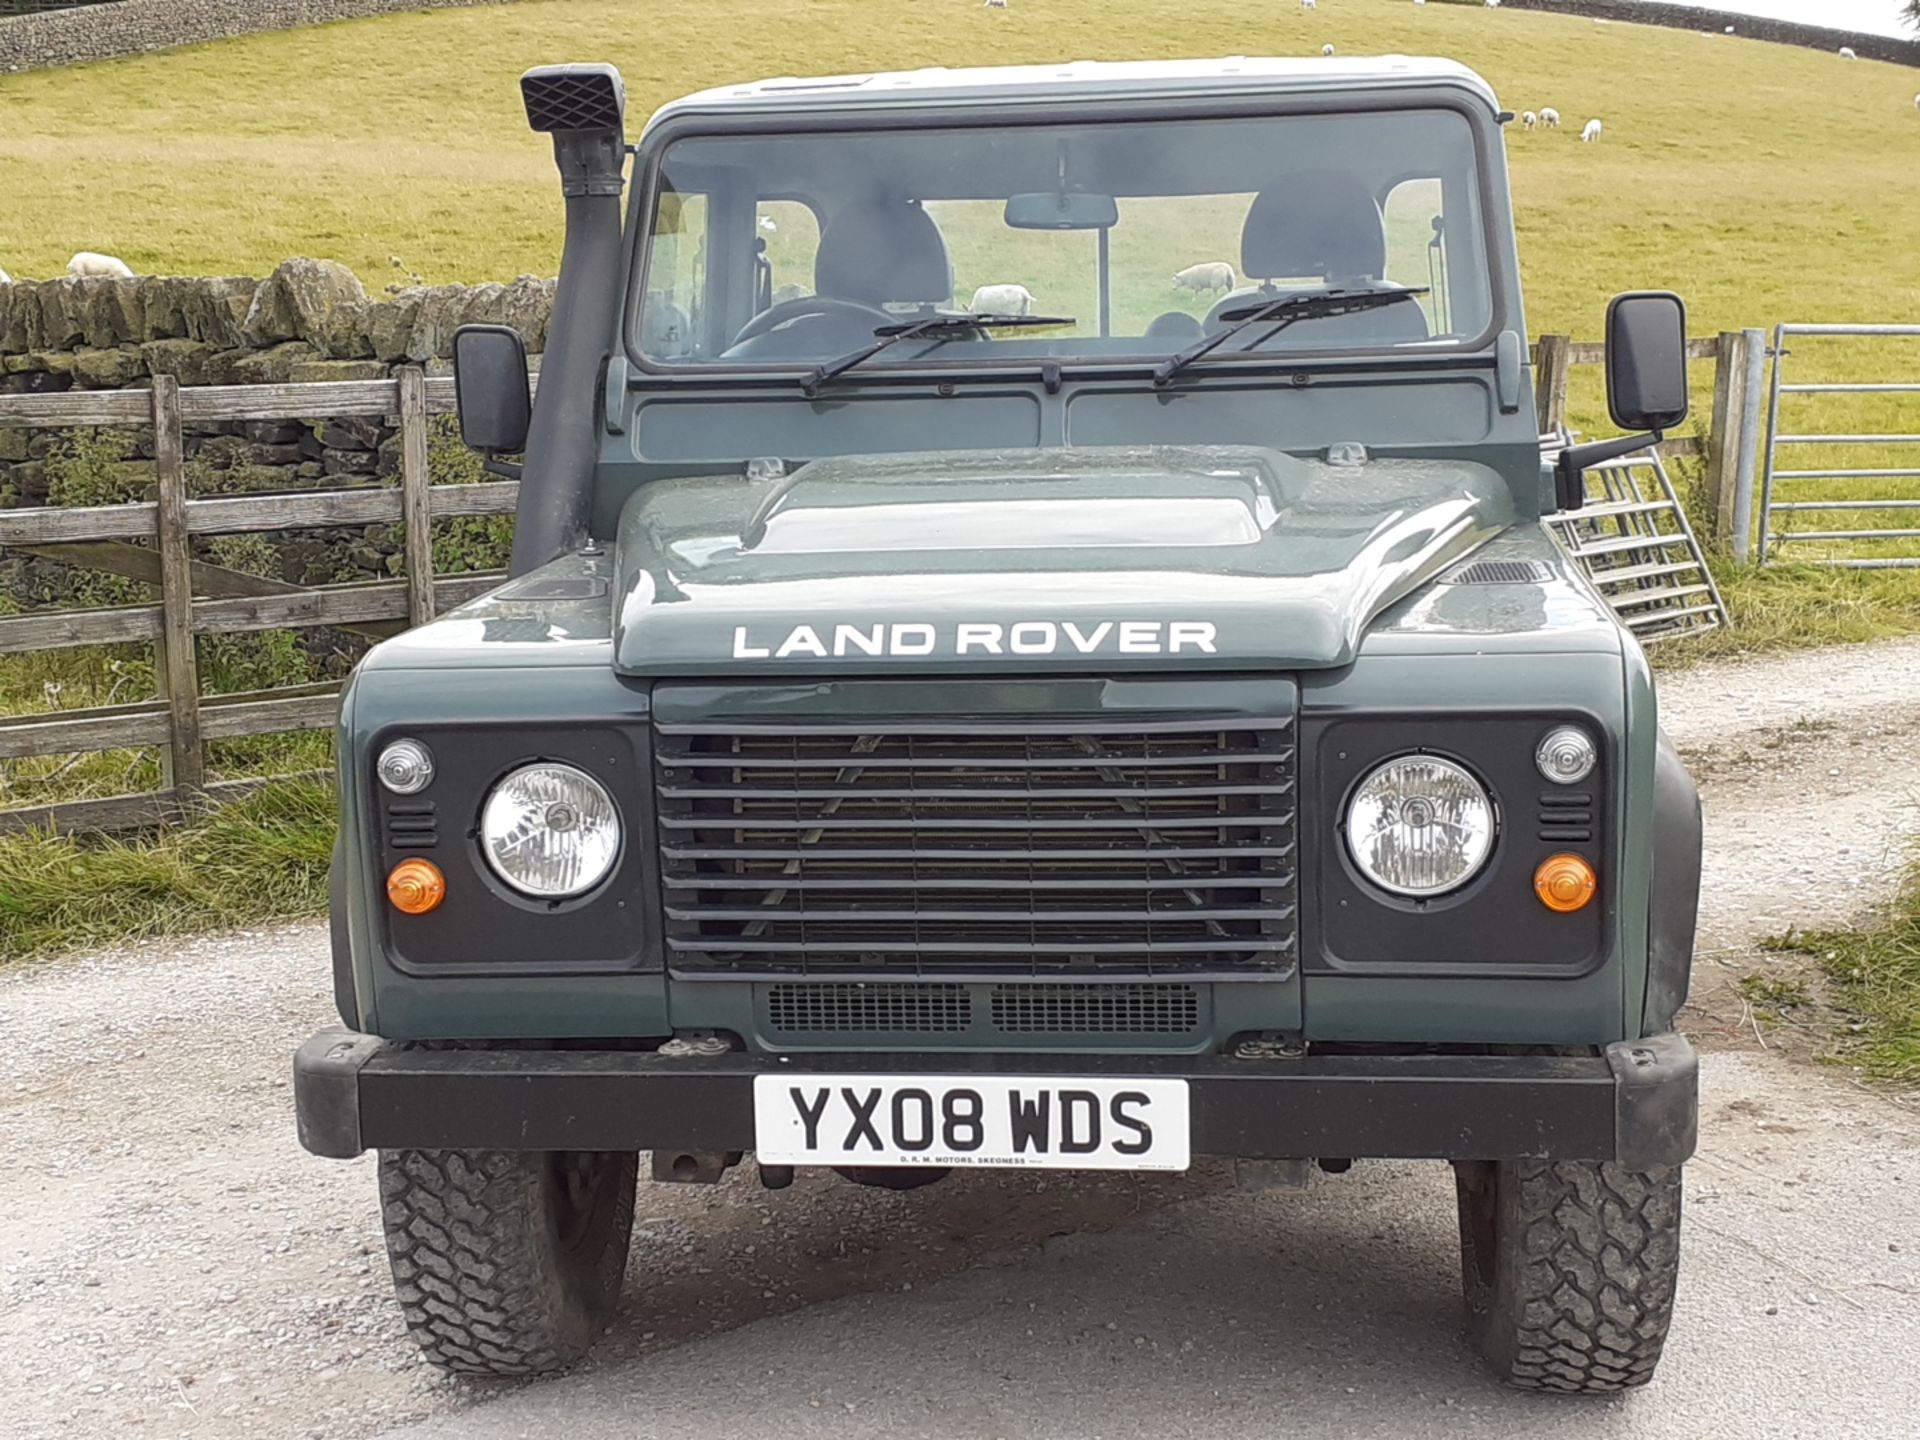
(977, 637)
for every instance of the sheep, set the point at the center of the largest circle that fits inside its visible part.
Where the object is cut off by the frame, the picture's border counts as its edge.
(1209, 275)
(1591, 133)
(788, 293)
(5, 278)
(1326, 49)
(1529, 119)
(1309, 4)
(1550, 117)
(770, 225)
(1846, 53)
(996, 4)
(1916, 102)
(1493, 4)
(1002, 300)
(89, 265)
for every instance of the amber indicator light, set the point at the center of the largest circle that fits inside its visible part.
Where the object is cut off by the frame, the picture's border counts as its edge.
(1564, 883)
(416, 886)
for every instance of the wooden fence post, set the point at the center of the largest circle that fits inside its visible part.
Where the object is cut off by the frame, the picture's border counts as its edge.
(416, 503)
(178, 672)
(1552, 360)
(1723, 438)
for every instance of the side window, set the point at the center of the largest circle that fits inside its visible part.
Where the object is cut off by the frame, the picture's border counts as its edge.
(789, 233)
(1416, 245)
(675, 306)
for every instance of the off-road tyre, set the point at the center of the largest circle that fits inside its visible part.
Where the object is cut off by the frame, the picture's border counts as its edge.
(507, 1262)
(1569, 1270)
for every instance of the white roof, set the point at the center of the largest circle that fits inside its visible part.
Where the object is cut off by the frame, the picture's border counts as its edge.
(1092, 79)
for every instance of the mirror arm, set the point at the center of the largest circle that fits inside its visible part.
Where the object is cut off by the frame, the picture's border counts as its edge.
(506, 469)
(1569, 486)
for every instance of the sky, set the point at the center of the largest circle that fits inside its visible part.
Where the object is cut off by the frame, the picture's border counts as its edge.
(1876, 17)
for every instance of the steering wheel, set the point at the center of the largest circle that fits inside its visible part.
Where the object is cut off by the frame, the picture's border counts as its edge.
(810, 305)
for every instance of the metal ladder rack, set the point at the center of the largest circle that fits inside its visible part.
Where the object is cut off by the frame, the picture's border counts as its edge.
(1633, 541)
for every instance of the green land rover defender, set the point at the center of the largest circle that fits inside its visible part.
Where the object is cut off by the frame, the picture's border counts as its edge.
(1031, 643)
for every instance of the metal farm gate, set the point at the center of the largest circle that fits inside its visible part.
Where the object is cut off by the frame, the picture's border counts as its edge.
(1871, 492)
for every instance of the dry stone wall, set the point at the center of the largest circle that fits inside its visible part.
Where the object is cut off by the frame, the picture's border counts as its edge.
(132, 27)
(309, 320)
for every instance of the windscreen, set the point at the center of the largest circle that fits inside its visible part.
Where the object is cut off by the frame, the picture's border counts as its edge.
(1137, 238)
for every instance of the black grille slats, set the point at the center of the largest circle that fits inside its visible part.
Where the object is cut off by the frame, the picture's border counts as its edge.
(989, 848)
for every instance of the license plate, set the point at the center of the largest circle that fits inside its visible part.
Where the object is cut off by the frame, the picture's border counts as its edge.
(1045, 1122)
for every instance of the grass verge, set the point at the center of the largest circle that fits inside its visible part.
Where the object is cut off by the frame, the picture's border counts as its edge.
(1798, 607)
(259, 859)
(1875, 980)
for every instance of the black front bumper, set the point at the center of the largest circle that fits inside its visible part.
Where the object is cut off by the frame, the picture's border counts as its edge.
(1634, 1102)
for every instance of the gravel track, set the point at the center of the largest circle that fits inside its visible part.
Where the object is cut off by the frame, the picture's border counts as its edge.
(172, 1264)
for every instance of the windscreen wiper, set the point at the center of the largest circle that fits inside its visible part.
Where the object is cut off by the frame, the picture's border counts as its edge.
(941, 326)
(1285, 311)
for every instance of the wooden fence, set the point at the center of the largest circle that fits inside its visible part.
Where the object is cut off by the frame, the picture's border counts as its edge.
(200, 598)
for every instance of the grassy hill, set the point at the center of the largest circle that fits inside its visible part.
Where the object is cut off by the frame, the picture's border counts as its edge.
(1762, 181)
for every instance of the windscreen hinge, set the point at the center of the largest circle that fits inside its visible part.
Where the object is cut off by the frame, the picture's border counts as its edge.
(1509, 353)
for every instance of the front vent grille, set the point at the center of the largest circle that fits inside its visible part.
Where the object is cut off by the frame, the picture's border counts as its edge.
(412, 825)
(857, 1009)
(1096, 1009)
(1565, 816)
(1498, 572)
(997, 848)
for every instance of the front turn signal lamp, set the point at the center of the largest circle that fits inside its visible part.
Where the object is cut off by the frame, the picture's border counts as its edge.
(1565, 883)
(416, 886)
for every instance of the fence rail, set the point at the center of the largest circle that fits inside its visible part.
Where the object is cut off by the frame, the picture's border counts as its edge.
(151, 541)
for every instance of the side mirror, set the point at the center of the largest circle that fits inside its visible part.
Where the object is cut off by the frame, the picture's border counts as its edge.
(490, 388)
(1647, 360)
(1646, 385)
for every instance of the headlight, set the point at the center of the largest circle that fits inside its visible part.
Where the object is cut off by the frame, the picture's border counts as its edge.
(550, 831)
(1420, 826)
(1566, 755)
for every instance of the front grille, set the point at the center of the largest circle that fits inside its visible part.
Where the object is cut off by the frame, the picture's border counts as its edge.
(1006, 848)
(855, 1009)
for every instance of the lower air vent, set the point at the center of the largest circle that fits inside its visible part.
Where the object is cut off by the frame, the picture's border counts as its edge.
(858, 1009)
(1498, 572)
(1096, 1009)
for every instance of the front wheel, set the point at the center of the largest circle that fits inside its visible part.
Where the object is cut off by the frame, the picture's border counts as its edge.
(507, 1262)
(1569, 1269)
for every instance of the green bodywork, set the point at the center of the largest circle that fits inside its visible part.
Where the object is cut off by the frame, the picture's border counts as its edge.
(1307, 522)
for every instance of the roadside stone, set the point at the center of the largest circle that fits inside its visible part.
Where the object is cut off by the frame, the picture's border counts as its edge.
(188, 361)
(272, 366)
(165, 314)
(14, 443)
(98, 312)
(300, 300)
(271, 432)
(59, 328)
(390, 325)
(442, 311)
(313, 371)
(347, 462)
(108, 369)
(50, 362)
(352, 432)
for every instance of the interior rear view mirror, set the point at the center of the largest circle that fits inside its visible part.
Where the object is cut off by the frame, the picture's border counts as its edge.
(1061, 210)
(1647, 360)
(490, 388)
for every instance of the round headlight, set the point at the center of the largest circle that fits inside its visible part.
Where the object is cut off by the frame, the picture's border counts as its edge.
(550, 831)
(1420, 826)
(1566, 755)
(405, 767)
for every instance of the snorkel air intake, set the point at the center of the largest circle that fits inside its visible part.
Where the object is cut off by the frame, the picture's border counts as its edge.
(584, 108)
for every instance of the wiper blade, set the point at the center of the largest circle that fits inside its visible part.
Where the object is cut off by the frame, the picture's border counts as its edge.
(1285, 311)
(941, 326)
